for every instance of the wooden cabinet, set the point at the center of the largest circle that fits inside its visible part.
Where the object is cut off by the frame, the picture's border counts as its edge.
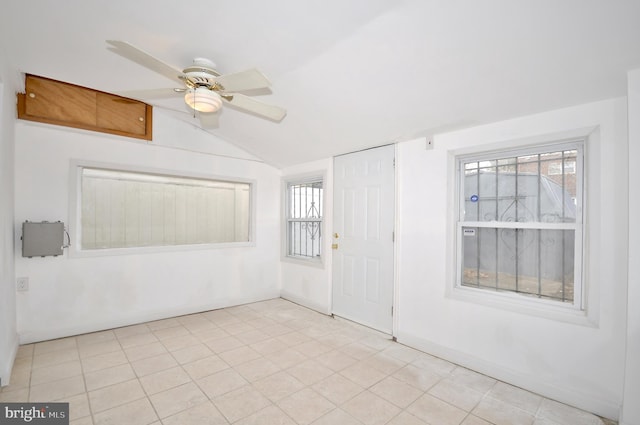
(59, 103)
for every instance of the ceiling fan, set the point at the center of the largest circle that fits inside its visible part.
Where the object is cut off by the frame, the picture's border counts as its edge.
(204, 88)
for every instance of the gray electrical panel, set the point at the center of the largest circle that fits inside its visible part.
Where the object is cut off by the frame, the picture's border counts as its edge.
(42, 239)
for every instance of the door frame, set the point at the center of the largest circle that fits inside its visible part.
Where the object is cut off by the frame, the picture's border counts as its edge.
(395, 286)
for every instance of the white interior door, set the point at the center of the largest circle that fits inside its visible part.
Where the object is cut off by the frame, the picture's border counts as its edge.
(363, 225)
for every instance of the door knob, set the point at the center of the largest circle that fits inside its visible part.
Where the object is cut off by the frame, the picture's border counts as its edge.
(335, 235)
(334, 246)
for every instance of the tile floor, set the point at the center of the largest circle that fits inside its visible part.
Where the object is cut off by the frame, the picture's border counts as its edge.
(271, 362)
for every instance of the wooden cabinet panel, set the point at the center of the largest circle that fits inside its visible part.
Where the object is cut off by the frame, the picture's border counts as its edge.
(117, 113)
(59, 103)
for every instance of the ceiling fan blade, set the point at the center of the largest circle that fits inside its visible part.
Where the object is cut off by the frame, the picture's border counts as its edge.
(245, 80)
(256, 107)
(143, 58)
(152, 93)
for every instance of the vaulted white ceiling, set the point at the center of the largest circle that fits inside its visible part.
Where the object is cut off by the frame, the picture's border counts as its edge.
(352, 73)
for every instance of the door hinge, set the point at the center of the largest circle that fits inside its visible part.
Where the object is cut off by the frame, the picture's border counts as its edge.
(394, 163)
(392, 310)
(393, 236)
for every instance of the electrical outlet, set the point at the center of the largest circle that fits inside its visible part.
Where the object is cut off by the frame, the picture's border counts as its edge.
(23, 284)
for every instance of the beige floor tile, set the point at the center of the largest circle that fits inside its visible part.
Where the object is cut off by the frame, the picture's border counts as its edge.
(57, 390)
(565, 415)
(180, 342)
(137, 339)
(144, 351)
(337, 416)
(225, 344)
(95, 337)
(363, 375)
(419, 378)
(237, 328)
(211, 334)
(384, 363)
(25, 351)
(202, 414)
(55, 357)
(221, 383)
(239, 355)
(370, 409)
(99, 348)
(434, 364)
(78, 406)
(500, 413)
(103, 361)
(205, 367)
(457, 394)
(358, 351)
(335, 360)
(338, 389)
(56, 372)
(20, 378)
(313, 348)
(471, 379)
(256, 369)
(268, 346)
(241, 403)
(294, 338)
(131, 330)
(192, 353)
(139, 412)
(54, 345)
(397, 392)
(309, 372)
(306, 406)
(115, 395)
(252, 336)
(105, 377)
(157, 325)
(515, 396)
(287, 358)
(177, 399)
(435, 411)
(271, 415)
(377, 342)
(165, 379)
(402, 352)
(87, 420)
(474, 420)
(172, 332)
(16, 396)
(276, 330)
(154, 364)
(405, 418)
(278, 386)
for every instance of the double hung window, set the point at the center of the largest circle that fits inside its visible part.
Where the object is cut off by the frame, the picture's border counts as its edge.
(304, 219)
(520, 222)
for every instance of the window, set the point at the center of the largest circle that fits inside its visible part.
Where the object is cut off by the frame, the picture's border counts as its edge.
(520, 222)
(122, 209)
(304, 219)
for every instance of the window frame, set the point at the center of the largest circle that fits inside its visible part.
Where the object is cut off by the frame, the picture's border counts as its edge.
(287, 182)
(511, 298)
(75, 206)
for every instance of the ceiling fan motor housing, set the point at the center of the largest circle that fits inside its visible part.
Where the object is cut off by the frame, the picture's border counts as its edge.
(201, 73)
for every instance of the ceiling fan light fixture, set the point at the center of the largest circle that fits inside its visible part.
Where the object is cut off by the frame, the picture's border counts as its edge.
(203, 100)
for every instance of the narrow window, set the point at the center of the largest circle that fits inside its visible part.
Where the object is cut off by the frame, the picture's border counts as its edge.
(123, 209)
(304, 219)
(520, 222)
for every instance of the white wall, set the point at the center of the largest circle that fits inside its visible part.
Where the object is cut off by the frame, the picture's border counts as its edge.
(8, 335)
(70, 295)
(631, 407)
(573, 361)
(304, 283)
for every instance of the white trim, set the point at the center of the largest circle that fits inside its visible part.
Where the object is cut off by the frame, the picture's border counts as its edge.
(307, 177)
(7, 366)
(574, 312)
(578, 397)
(74, 226)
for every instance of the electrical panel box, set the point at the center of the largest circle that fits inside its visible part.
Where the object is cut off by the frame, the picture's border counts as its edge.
(42, 239)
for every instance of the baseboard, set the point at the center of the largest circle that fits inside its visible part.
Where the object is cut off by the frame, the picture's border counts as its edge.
(571, 396)
(304, 302)
(83, 328)
(6, 361)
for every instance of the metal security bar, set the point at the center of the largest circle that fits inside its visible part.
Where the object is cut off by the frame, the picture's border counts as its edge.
(520, 223)
(304, 219)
